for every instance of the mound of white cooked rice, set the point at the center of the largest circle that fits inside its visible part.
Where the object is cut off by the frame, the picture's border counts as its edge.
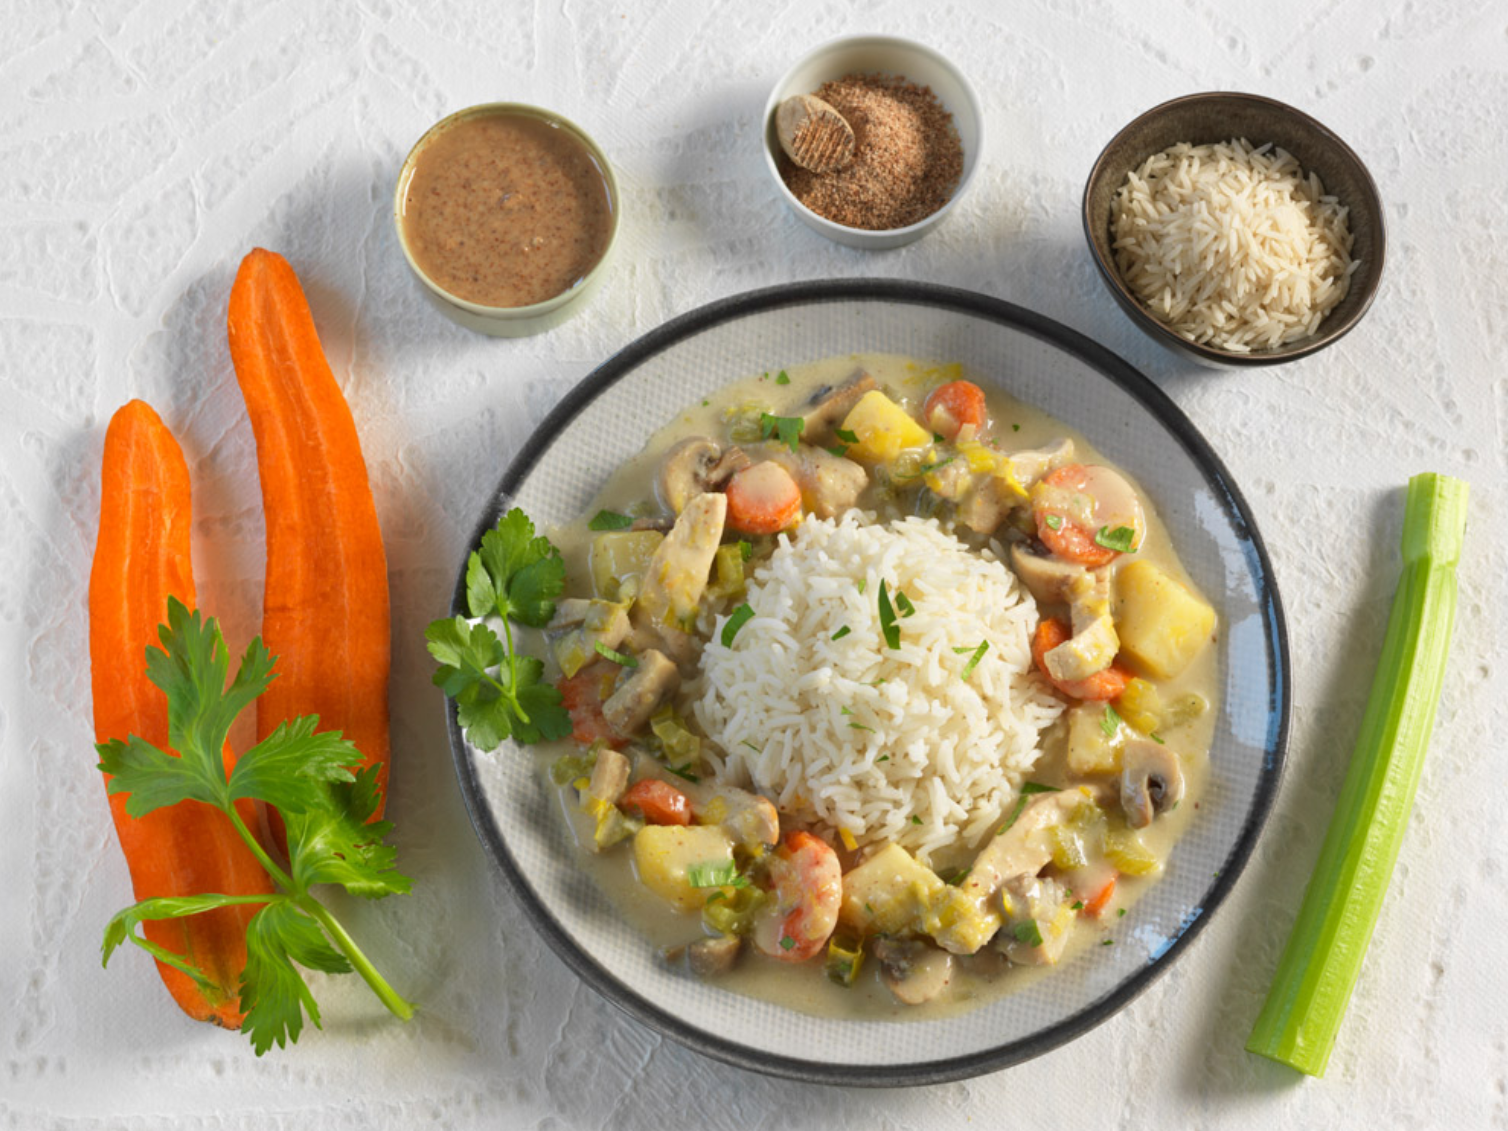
(1231, 245)
(891, 744)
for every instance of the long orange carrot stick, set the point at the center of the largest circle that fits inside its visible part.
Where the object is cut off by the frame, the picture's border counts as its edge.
(141, 558)
(325, 608)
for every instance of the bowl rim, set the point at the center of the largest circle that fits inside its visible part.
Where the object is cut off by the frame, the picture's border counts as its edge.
(1327, 333)
(1112, 368)
(522, 109)
(822, 223)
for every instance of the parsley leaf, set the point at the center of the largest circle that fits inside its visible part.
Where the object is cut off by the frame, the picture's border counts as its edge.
(1027, 789)
(1120, 538)
(611, 520)
(1110, 722)
(888, 626)
(847, 435)
(326, 809)
(736, 620)
(968, 668)
(787, 428)
(514, 575)
(1054, 521)
(903, 603)
(1028, 932)
(843, 631)
(782, 378)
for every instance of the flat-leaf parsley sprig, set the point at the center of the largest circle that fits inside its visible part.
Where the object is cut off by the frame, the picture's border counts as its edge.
(303, 773)
(500, 693)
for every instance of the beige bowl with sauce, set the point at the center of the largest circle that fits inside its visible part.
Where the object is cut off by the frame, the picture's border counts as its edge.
(498, 252)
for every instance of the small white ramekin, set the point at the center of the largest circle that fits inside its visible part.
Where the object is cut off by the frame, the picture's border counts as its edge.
(880, 54)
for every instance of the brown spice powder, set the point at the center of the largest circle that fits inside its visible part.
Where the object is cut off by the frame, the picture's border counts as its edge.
(907, 156)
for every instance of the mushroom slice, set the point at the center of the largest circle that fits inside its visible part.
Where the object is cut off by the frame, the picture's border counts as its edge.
(693, 467)
(830, 404)
(708, 958)
(915, 971)
(1042, 905)
(1151, 781)
(1048, 578)
(829, 484)
(641, 693)
(1022, 469)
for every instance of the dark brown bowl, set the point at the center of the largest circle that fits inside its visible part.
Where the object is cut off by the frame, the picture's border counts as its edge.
(1205, 119)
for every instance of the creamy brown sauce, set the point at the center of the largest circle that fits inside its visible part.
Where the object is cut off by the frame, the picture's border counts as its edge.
(978, 978)
(506, 209)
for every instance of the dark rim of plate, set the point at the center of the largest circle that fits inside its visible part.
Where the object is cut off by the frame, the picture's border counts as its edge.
(1112, 368)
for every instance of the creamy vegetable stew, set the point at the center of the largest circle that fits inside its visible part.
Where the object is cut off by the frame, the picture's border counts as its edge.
(754, 892)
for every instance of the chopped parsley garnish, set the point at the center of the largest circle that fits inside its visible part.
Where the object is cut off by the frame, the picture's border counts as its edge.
(1054, 522)
(745, 550)
(736, 620)
(1121, 912)
(787, 428)
(684, 773)
(847, 435)
(609, 520)
(839, 450)
(882, 758)
(616, 657)
(903, 603)
(1015, 427)
(1108, 942)
(938, 438)
(861, 726)
(1110, 723)
(750, 745)
(1157, 738)
(786, 942)
(863, 582)
(782, 378)
(515, 576)
(915, 820)
(968, 668)
(715, 874)
(888, 626)
(1119, 538)
(959, 876)
(1076, 905)
(842, 632)
(1027, 789)
(1028, 932)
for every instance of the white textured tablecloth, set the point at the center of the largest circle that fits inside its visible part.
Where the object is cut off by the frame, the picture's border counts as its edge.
(144, 147)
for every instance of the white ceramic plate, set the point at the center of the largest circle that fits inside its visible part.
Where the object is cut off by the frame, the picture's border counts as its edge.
(609, 416)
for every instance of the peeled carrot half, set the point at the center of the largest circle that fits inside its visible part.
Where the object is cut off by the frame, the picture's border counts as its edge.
(325, 607)
(140, 559)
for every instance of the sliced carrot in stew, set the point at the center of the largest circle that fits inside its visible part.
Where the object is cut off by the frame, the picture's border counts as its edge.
(763, 499)
(951, 408)
(582, 696)
(1107, 684)
(1059, 531)
(660, 802)
(1101, 898)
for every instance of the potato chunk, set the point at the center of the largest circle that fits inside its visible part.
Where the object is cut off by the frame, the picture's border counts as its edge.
(619, 560)
(664, 853)
(1161, 624)
(884, 429)
(888, 893)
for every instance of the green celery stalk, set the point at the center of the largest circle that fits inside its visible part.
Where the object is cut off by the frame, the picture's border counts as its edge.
(1304, 1007)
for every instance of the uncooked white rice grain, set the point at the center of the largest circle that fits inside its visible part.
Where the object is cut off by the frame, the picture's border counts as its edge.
(1232, 246)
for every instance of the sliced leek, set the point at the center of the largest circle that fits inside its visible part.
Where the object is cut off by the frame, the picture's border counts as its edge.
(1315, 976)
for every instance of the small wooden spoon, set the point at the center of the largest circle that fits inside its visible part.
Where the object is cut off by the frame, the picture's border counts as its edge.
(813, 134)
